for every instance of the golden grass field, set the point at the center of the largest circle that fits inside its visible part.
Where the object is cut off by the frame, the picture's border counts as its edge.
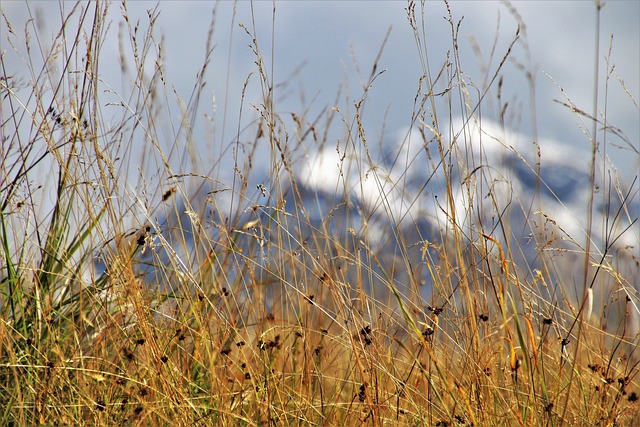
(136, 292)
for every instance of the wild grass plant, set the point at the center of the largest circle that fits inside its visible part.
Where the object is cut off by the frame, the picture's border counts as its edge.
(138, 289)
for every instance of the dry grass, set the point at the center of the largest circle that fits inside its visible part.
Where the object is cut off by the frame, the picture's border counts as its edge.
(183, 300)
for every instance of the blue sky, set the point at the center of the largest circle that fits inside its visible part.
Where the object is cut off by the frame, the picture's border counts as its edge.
(323, 40)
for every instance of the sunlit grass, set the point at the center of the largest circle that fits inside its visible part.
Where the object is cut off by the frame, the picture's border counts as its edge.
(174, 298)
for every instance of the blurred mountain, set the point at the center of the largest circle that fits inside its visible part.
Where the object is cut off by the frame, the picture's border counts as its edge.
(396, 214)
(531, 196)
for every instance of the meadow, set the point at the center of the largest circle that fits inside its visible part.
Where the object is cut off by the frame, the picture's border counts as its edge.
(137, 289)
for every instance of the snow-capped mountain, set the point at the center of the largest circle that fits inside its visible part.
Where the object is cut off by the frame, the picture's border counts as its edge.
(479, 178)
(492, 170)
(393, 210)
